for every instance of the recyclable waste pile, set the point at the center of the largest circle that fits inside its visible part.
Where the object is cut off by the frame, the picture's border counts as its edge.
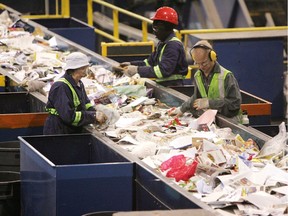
(230, 174)
(214, 164)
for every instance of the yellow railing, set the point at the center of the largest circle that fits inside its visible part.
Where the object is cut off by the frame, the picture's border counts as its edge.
(148, 47)
(115, 11)
(65, 11)
(109, 36)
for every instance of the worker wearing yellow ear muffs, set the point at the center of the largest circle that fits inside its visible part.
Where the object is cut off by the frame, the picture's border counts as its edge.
(215, 86)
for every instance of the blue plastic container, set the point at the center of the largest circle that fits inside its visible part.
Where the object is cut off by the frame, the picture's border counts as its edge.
(73, 175)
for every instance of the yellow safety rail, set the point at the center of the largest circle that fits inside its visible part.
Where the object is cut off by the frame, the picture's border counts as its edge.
(116, 10)
(150, 44)
(65, 11)
(109, 36)
(147, 47)
(186, 33)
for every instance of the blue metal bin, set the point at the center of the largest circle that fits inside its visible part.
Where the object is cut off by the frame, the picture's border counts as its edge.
(72, 29)
(73, 175)
(10, 156)
(21, 114)
(154, 192)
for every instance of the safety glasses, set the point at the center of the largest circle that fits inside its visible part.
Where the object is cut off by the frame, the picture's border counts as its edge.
(202, 64)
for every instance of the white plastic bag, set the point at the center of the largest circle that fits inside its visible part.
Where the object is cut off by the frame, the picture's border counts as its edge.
(112, 114)
(276, 144)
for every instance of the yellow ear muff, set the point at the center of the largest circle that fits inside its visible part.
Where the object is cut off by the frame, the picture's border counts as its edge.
(213, 55)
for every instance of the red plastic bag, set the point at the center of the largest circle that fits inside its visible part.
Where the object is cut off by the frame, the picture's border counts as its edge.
(184, 173)
(174, 162)
(178, 169)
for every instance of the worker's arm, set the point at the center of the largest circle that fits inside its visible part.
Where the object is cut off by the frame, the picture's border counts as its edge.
(62, 101)
(168, 64)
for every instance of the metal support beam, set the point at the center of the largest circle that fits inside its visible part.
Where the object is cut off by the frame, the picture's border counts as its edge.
(212, 14)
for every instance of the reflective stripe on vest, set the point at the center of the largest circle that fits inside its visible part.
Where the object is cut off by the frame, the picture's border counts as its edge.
(88, 105)
(146, 62)
(216, 88)
(157, 68)
(76, 103)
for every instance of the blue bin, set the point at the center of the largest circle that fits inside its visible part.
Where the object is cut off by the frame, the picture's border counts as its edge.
(10, 156)
(10, 193)
(154, 193)
(72, 29)
(73, 175)
(22, 114)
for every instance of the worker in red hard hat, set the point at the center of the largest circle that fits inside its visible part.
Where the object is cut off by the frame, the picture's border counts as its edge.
(167, 64)
(167, 14)
(180, 6)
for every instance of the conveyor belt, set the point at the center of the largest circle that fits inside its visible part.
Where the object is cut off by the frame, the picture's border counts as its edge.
(159, 187)
(95, 57)
(171, 98)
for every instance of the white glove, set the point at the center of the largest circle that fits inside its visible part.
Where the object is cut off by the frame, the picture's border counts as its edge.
(36, 85)
(131, 70)
(101, 118)
(175, 111)
(124, 64)
(111, 114)
(201, 103)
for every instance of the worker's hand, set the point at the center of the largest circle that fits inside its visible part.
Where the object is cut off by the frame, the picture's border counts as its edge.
(201, 103)
(101, 118)
(118, 71)
(124, 64)
(175, 111)
(130, 70)
(111, 114)
(36, 85)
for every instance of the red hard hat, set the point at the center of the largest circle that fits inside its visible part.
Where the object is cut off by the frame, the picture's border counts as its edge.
(167, 14)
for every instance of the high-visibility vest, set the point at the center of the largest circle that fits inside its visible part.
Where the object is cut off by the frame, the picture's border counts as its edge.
(216, 88)
(157, 68)
(76, 103)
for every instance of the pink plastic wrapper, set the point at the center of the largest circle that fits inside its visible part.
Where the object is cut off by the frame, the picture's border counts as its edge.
(174, 162)
(178, 169)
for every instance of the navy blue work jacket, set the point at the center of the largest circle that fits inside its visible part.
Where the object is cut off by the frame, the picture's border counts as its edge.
(60, 98)
(173, 60)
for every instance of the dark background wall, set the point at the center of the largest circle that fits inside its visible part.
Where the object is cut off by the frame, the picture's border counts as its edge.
(26, 7)
(78, 8)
